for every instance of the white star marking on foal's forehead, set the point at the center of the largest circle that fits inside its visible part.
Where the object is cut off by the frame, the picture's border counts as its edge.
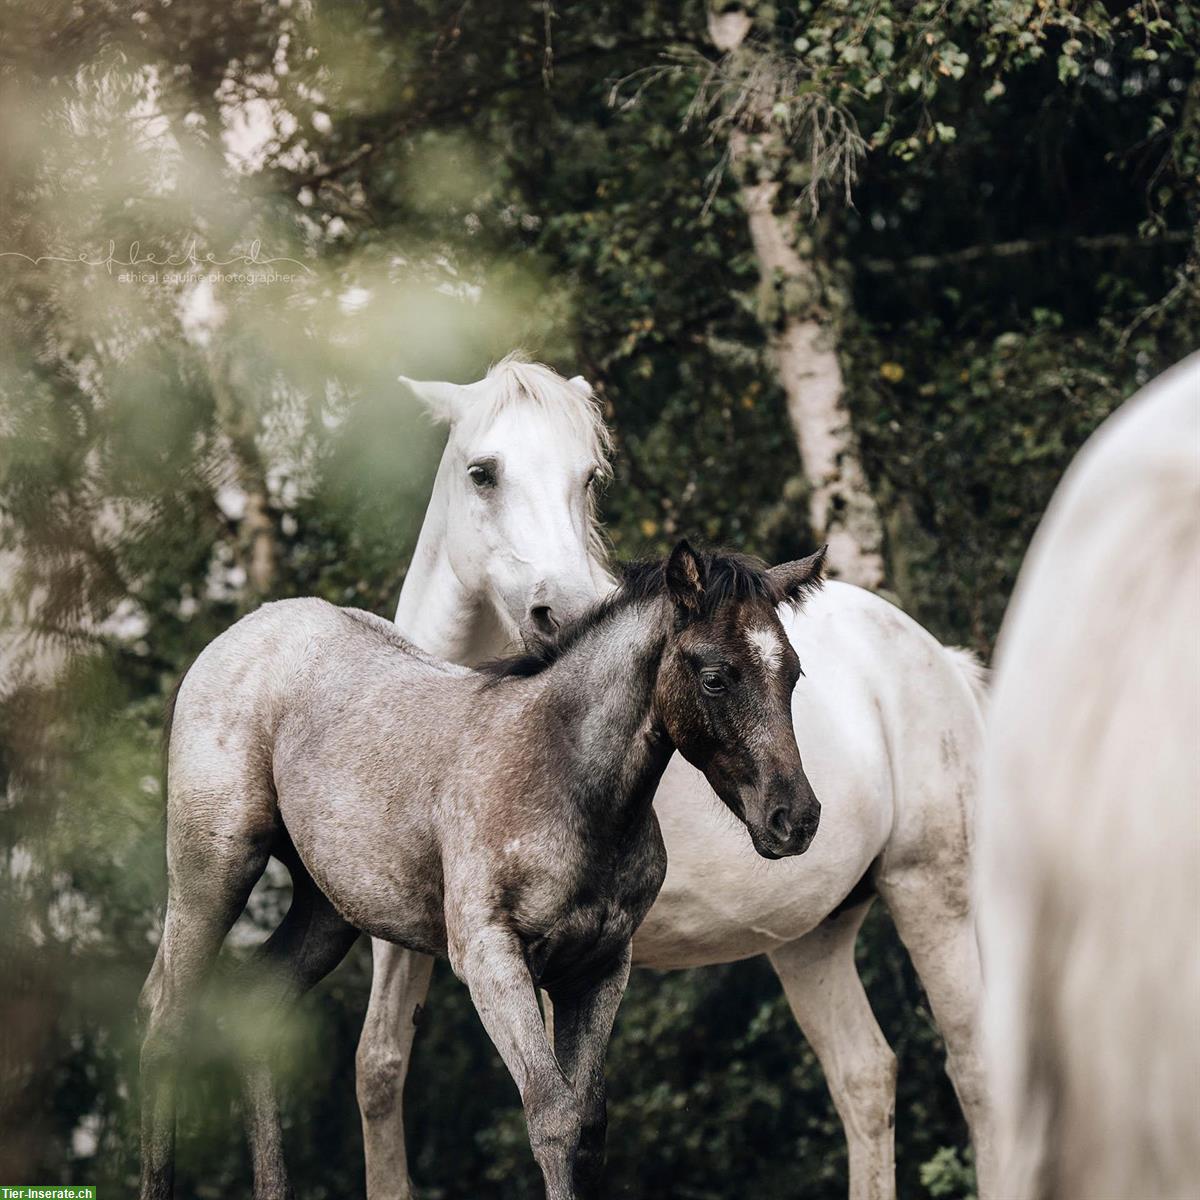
(766, 644)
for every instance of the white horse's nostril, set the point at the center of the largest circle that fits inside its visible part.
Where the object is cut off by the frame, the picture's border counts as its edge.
(541, 617)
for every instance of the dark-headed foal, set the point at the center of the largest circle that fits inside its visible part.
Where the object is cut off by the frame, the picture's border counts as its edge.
(501, 818)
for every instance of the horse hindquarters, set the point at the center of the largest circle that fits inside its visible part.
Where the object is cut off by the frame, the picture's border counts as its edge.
(1089, 878)
(221, 823)
(938, 932)
(210, 884)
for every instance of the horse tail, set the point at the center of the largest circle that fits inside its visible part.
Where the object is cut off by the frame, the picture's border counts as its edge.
(168, 724)
(970, 666)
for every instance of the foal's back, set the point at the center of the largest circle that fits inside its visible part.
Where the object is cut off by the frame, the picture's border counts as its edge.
(303, 714)
(298, 667)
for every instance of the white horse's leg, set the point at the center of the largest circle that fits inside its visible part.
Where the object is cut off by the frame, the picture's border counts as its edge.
(930, 904)
(827, 999)
(399, 983)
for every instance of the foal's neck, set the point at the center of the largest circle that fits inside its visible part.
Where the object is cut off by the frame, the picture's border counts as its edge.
(602, 693)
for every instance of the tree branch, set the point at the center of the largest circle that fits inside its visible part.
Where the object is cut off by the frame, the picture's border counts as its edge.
(463, 105)
(970, 254)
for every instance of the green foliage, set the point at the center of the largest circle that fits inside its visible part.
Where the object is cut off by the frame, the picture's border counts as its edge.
(457, 185)
(821, 82)
(945, 1174)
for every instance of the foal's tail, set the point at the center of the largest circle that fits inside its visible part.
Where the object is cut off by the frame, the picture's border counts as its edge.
(168, 723)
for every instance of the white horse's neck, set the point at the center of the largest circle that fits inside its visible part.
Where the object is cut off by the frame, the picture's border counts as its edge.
(435, 612)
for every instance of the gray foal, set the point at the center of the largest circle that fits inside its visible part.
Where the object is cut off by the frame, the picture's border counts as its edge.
(500, 818)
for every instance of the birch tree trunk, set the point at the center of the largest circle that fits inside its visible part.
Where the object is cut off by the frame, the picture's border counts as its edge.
(258, 550)
(803, 342)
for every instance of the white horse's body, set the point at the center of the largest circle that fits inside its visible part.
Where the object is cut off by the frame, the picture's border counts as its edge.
(1089, 883)
(889, 731)
(845, 710)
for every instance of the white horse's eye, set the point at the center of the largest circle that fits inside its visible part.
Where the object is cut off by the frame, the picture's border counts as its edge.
(482, 475)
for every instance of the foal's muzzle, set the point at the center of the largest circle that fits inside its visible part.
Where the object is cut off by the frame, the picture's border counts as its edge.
(790, 823)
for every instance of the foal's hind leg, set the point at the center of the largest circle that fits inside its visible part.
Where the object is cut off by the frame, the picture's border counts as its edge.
(827, 999)
(930, 904)
(311, 940)
(210, 882)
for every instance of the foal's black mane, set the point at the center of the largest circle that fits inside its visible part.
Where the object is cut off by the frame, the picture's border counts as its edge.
(726, 576)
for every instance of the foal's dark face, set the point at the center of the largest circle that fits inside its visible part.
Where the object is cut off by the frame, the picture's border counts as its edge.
(725, 696)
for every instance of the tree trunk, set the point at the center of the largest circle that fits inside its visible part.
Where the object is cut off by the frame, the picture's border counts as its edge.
(803, 341)
(258, 550)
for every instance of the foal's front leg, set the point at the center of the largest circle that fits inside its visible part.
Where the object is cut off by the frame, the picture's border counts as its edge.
(583, 1022)
(493, 967)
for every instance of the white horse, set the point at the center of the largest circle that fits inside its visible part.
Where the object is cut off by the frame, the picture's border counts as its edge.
(1089, 898)
(889, 728)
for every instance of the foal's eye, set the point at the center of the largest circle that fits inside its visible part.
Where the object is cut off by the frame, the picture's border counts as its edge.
(482, 475)
(712, 683)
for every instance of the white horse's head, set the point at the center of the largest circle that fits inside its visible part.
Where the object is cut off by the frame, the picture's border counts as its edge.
(518, 477)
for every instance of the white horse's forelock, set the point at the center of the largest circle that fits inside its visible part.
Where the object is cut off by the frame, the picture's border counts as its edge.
(569, 401)
(516, 381)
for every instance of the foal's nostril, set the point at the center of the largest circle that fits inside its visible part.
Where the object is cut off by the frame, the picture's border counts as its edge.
(780, 823)
(542, 618)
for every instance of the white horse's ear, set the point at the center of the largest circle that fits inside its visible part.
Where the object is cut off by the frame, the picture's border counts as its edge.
(443, 401)
(794, 581)
(582, 386)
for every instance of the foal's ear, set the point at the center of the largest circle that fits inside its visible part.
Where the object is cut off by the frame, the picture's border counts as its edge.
(444, 402)
(794, 581)
(685, 577)
(582, 386)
